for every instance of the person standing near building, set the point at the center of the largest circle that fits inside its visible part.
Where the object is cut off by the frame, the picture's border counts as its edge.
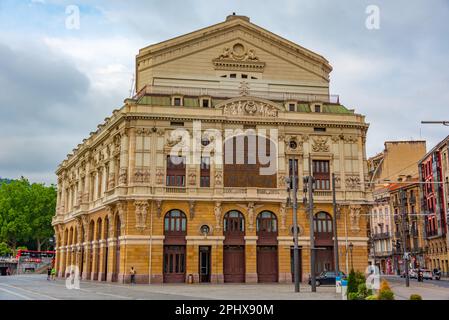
(53, 273)
(48, 273)
(133, 275)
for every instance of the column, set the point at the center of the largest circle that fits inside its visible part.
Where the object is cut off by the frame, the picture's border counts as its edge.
(284, 259)
(251, 259)
(217, 262)
(95, 249)
(192, 261)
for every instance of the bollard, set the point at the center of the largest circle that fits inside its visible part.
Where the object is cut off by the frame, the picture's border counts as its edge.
(344, 289)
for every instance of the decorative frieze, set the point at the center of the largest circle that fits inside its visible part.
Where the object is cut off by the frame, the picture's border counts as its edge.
(238, 58)
(250, 108)
(352, 182)
(283, 215)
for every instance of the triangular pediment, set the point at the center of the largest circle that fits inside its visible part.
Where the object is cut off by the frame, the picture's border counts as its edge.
(224, 36)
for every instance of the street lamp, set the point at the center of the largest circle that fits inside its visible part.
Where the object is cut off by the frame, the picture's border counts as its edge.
(351, 247)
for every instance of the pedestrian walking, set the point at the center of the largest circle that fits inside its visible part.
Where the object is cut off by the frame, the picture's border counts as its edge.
(48, 273)
(53, 273)
(133, 275)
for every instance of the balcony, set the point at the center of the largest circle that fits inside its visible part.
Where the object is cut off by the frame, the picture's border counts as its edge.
(232, 93)
(381, 236)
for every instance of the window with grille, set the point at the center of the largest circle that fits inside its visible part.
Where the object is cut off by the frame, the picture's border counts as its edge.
(205, 172)
(176, 171)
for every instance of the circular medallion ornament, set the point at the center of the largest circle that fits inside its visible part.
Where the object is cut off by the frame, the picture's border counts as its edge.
(250, 107)
(204, 229)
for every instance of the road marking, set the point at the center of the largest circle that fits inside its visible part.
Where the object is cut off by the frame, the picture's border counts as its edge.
(16, 294)
(30, 291)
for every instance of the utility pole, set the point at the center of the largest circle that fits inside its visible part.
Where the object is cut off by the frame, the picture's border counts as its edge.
(294, 182)
(312, 231)
(403, 196)
(334, 202)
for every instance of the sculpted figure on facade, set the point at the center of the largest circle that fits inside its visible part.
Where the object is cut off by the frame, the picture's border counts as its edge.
(251, 214)
(141, 210)
(354, 216)
(121, 211)
(283, 215)
(217, 213)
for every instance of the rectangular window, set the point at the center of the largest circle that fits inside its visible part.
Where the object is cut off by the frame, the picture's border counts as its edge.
(177, 101)
(176, 171)
(205, 103)
(205, 172)
(317, 108)
(291, 107)
(321, 173)
(319, 129)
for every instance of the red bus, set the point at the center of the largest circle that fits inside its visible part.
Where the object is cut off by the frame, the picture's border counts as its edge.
(34, 255)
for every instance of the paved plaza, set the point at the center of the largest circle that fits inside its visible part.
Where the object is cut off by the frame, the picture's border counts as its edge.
(36, 287)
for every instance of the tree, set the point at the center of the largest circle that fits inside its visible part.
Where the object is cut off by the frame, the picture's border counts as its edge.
(25, 212)
(5, 250)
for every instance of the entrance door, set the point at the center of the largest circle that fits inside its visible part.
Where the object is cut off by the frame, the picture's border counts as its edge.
(234, 263)
(174, 264)
(324, 259)
(204, 267)
(105, 263)
(267, 264)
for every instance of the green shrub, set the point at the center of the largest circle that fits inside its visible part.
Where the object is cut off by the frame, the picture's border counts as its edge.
(371, 297)
(385, 292)
(363, 291)
(415, 297)
(353, 296)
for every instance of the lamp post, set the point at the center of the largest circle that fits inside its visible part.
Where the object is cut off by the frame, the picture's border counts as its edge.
(351, 247)
(294, 183)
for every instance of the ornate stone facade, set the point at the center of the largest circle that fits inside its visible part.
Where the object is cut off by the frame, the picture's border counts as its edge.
(133, 208)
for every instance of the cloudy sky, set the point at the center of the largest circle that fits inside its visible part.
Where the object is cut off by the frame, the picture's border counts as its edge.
(57, 82)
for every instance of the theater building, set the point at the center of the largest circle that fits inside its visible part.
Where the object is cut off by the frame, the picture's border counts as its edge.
(130, 194)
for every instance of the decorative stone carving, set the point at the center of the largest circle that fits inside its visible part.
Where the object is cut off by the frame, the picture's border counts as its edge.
(281, 181)
(159, 208)
(143, 131)
(111, 181)
(110, 215)
(192, 209)
(192, 178)
(283, 215)
(352, 182)
(293, 144)
(85, 221)
(238, 58)
(173, 140)
(121, 211)
(305, 137)
(160, 132)
(217, 213)
(244, 88)
(350, 139)
(250, 210)
(335, 138)
(142, 175)
(141, 214)
(354, 217)
(218, 178)
(250, 108)
(123, 176)
(337, 181)
(159, 176)
(320, 145)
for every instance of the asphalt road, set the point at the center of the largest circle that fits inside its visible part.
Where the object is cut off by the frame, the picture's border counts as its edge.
(429, 289)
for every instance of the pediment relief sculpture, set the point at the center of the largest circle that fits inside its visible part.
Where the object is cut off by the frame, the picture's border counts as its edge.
(239, 57)
(251, 107)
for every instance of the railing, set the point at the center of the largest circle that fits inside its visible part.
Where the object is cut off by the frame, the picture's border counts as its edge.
(231, 93)
(379, 236)
(175, 190)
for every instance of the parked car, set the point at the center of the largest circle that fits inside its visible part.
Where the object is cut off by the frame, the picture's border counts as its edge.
(412, 274)
(427, 274)
(327, 277)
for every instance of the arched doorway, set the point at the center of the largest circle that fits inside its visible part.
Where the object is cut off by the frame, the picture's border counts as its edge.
(82, 250)
(267, 249)
(175, 230)
(234, 247)
(323, 230)
(98, 237)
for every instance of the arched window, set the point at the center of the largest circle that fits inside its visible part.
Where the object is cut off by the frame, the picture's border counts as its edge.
(91, 230)
(175, 221)
(323, 223)
(99, 234)
(233, 222)
(266, 222)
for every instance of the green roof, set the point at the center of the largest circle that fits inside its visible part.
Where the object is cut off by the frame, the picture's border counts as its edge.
(335, 108)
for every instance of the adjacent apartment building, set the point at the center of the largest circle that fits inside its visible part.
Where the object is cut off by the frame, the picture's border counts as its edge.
(434, 178)
(157, 185)
(389, 171)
